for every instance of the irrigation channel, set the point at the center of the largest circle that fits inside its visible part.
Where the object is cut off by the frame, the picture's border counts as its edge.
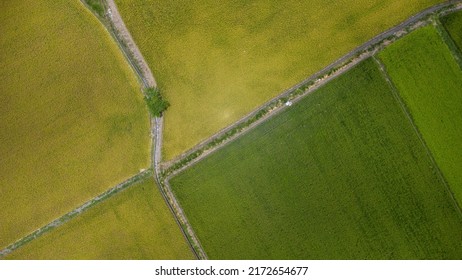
(163, 171)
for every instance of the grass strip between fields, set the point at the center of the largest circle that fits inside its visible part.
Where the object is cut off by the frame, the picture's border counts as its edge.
(429, 81)
(447, 38)
(405, 110)
(453, 25)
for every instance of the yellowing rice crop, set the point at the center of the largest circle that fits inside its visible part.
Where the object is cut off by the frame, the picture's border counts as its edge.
(72, 118)
(217, 60)
(135, 224)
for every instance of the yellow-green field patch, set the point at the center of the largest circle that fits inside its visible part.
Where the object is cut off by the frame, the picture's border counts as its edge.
(72, 119)
(135, 224)
(217, 60)
(430, 82)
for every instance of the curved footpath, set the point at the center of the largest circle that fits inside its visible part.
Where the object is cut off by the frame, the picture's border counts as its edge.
(123, 38)
(122, 34)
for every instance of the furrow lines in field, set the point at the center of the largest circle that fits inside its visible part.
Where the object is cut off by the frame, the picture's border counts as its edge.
(406, 112)
(170, 199)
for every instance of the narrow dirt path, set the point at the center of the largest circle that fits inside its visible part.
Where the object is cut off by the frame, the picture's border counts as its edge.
(156, 130)
(169, 197)
(126, 37)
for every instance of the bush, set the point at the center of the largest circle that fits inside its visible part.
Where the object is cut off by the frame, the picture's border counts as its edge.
(97, 6)
(156, 104)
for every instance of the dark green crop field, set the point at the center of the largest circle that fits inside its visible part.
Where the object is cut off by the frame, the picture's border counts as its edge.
(453, 24)
(430, 82)
(340, 175)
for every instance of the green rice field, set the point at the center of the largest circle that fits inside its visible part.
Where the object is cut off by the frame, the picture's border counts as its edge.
(135, 224)
(340, 175)
(72, 119)
(430, 83)
(215, 61)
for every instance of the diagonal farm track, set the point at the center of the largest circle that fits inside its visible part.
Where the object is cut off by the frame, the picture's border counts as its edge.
(305, 87)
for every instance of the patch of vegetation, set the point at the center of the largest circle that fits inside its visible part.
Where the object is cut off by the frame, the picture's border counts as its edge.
(451, 29)
(59, 146)
(134, 224)
(339, 175)
(429, 80)
(239, 54)
(453, 24)
(96, 6)
(155, 102)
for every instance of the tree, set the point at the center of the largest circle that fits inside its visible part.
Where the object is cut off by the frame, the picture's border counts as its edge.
(156, 104)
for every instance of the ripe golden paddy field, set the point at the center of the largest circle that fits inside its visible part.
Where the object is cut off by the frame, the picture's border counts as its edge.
(72, 119)
(134, 224)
